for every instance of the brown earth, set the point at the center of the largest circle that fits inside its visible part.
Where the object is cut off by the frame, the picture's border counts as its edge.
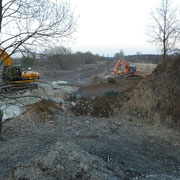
(41, 111)
(157, 97)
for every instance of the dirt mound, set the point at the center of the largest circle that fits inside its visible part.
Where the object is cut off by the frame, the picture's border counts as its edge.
(157, 97)
(96, 80)
(41, 111)
(65, 161)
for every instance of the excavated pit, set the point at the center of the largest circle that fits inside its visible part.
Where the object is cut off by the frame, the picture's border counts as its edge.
(103, 99)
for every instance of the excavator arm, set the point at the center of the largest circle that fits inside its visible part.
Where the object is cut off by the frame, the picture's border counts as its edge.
(120, 63)
(5, 58)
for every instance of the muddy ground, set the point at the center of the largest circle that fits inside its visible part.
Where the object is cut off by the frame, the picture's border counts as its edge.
(88, 138)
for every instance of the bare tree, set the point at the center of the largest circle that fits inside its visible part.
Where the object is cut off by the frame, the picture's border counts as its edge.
(57, 50)
(28, 24)
(119, 55)
(164, 30)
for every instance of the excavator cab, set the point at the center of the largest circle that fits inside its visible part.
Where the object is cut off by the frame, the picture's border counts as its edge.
(132, 69)
(12, 73)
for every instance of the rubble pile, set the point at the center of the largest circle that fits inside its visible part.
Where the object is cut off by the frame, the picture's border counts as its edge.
(96, 107)
(101, 106)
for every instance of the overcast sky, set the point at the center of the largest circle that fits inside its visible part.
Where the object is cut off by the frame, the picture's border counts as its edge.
(106, 26)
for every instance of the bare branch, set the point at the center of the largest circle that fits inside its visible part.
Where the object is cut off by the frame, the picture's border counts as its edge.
(165, 29)
(35, 23)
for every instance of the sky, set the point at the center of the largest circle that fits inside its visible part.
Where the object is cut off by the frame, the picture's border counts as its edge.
(107, 26)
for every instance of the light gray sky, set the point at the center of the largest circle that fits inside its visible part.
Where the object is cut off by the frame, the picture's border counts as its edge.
(106, 26)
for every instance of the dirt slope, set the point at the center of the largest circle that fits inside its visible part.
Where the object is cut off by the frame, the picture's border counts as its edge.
(157, 97)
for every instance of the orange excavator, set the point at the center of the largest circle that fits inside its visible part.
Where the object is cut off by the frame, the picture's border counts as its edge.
(124, 69)
(128, 70)
(13, 78)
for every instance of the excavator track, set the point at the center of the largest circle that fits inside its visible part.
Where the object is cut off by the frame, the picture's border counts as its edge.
(133, 76)
(9, 88)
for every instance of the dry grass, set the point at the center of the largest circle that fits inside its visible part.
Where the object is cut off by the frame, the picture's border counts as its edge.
(156, 99)
(146, 68)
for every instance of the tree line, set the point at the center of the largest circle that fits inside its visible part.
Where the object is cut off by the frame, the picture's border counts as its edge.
(64, 59)
(28, 25)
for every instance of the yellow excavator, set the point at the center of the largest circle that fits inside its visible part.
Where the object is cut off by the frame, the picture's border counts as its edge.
(13, 78)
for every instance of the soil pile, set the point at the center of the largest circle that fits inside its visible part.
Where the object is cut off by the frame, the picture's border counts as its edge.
(157, 97)
(41, 111)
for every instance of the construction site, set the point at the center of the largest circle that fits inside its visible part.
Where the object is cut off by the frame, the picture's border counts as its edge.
(89, 90)
(81, 124)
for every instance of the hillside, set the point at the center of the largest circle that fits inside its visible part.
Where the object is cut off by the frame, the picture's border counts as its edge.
(157, 97)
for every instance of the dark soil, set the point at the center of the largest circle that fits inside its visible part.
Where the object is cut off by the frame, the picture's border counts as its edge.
(103, 99)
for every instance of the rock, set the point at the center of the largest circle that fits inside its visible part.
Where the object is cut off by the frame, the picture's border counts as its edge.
(77, 134)
(73, 104)
(78, 96)
(10, 111)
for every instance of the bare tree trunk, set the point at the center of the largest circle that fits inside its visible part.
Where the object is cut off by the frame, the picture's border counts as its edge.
(164, 53)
